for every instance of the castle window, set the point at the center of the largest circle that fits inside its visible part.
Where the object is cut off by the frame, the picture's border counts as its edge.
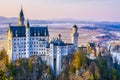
(38, 33)
(34, 34)
(16, 34)
(14, 43)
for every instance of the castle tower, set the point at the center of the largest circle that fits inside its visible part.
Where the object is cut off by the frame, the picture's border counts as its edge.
(27, 39)
(51, 61)
(58, 61)
(59, 36)
(75, 35)
(9, 43)
(21, 18)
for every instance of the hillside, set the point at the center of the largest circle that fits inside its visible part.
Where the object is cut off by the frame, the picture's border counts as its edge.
(81, 68)
(75, 67)
(24, 69)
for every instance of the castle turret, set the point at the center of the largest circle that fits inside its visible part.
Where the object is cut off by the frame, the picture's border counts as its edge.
(75, 35)
(58, 60)
(21, 18)
(28, 24)
(27, 39)
(51, 61)
(59, 36)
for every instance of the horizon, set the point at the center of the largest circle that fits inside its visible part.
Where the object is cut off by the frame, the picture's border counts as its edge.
(84, 10)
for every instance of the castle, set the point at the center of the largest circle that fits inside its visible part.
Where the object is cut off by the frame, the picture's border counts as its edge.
(25, 41)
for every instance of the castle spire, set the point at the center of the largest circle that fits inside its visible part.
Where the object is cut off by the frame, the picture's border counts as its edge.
(21, 12)
(21, 18)
(59, 36)
(28, 24)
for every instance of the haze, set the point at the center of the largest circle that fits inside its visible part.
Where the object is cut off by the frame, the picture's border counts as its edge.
(95, 10)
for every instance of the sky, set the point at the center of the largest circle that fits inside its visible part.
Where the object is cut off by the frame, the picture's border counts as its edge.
(90, 10)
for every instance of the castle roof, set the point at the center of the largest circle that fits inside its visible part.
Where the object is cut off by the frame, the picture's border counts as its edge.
(20, 31)
(21, 12)
(92, 44)
(75, 26)
(69, 43)
(58, 42)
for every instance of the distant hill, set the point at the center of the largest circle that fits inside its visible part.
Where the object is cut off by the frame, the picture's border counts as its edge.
(1, 18)
(14, 20)
(91, 25)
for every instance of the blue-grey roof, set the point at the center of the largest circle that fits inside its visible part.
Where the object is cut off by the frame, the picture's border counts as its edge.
(69, 43)
(92, 44)
(75, 26)
(21, 13)
(48, 46)
(58, 42)
(20, 31)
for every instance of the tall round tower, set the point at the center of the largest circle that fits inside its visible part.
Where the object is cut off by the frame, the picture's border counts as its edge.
(27, 39)
(75, 35)
(21, 18)
(58, 60)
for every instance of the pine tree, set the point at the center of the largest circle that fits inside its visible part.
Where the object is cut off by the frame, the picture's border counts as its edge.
(29, 65)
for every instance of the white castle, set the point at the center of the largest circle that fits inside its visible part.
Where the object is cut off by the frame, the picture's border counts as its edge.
(25, 41)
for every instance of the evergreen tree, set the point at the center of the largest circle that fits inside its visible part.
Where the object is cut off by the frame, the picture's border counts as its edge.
(29, 65)
(114, 74)
(3, 75)
(77, 60)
